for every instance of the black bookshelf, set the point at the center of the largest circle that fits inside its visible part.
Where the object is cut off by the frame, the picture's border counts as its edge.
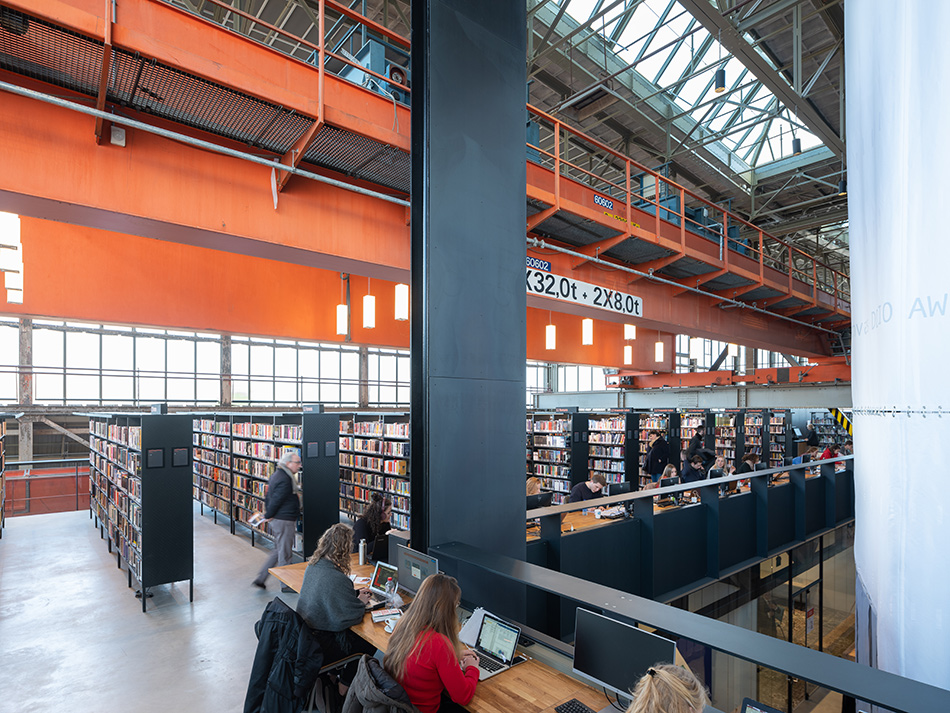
(140, 495)
(755, 434)
(374, 457)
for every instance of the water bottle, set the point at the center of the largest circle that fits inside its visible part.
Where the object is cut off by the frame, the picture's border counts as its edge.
(362, 552)
(390, 591)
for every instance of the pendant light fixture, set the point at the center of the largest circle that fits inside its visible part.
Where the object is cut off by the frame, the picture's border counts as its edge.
(796, 145)
(369, 306)
(587, 332)
(720, 85)
(402, 302)
(629, 331)
(732, 350)
(342, 309)
(658, 349)
(550, 335)
(627, 354)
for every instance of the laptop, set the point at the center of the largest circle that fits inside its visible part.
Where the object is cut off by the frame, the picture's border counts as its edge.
(377, 584)
(495, 646)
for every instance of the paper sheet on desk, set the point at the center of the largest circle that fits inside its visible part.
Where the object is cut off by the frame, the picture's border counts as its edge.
(469, 632)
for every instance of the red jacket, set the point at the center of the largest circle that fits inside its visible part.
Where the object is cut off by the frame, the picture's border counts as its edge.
(433, 667)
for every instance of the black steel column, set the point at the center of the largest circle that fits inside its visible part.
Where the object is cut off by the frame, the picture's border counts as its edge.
(468, 263)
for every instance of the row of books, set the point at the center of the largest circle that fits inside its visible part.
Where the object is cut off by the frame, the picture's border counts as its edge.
(129, 436)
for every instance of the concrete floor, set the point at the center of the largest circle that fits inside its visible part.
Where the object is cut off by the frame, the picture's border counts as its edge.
(74, 636)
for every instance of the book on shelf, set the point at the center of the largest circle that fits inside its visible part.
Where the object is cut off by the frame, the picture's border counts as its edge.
(256, 519)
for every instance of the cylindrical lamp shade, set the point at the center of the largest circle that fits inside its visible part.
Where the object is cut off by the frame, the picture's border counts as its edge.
(402, 302)
(720, 80)
(341, 319)
(733, 350)
(658, 352)
(587, 332)
(369, 311)
(550, 337)
(629, 331)
(15, 297)
(842, 187)
(796, 147)
(627, 354)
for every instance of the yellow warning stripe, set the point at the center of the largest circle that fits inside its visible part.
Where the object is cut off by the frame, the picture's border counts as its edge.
(842, 420)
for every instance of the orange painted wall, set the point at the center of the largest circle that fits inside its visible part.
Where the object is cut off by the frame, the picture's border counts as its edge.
(80, 273)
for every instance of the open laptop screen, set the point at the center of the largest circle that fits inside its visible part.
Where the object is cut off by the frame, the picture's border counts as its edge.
(498, 638)
(382, 573)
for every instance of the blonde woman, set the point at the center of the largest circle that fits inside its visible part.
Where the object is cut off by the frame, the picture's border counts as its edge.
(330, 605)
(424, 652)
(668, 689)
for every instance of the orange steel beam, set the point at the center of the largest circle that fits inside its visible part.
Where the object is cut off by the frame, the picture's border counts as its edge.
(693, 314)
(654, 265)
(538, 218)
(183, 40)
(601, 246)
(104, 75)
(295, 155)
(815, 374)
(206, 199)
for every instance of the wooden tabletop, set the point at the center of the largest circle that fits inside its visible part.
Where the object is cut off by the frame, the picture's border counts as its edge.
(529, 687)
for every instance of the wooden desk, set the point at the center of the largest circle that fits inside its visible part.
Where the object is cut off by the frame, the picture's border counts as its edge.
(529, 687)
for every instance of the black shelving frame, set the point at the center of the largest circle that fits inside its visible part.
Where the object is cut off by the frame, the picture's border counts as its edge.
(145, 488)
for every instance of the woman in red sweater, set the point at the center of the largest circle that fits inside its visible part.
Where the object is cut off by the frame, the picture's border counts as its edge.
(424, 652)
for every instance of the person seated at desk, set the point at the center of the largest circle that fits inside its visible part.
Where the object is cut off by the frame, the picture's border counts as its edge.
(330, 605)
(666, 688)
(425, 654)
(589, 489)
(748, 463)
(831, 451)
(695, 470)
(534, 497)
(720, 469)
(373, 524)
(809, 455)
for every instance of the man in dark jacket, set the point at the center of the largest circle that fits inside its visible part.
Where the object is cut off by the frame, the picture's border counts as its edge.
(657, 457)
(281, 510)
(697, 448)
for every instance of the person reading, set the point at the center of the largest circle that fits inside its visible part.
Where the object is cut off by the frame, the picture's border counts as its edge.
(425, 655)
(589, 489)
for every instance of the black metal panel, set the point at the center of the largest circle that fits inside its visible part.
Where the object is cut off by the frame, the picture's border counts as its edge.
(844, 496)
(604, 555)
(542, 608)
(814, 506)
(468, 296)
(781, 517)
(167, 513)
(320, 477)
(679, 541)
(736, 529)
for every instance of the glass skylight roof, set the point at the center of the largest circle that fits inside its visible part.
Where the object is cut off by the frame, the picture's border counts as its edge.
(677, 54)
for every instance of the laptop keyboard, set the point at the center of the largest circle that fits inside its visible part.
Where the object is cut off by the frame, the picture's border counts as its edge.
(573, 706)
(488, 664)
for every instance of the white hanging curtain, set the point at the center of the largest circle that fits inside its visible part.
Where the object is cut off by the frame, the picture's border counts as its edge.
(898, 105)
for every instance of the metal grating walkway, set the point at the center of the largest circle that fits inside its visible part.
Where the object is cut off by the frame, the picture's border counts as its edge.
(43, 51)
